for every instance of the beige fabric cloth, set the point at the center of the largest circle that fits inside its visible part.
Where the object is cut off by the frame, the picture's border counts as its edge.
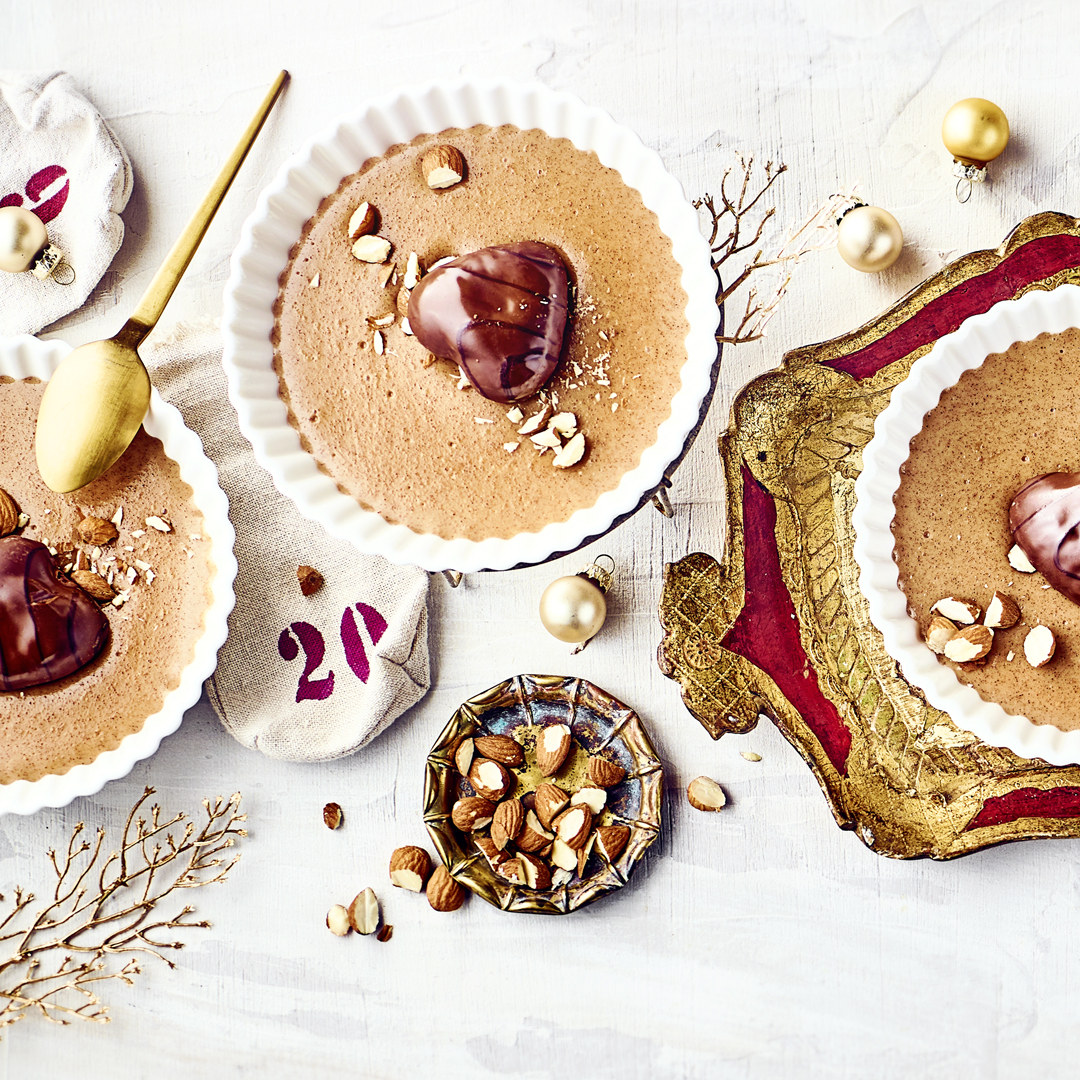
(304, 678)
(59, 159)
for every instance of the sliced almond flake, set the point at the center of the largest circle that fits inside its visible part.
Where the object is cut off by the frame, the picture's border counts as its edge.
(483, 420)
(136, 533)
(412, 271)
(1011, 655)
(158, 523)
(510, 447)
(385, 274)
(406, 328)
(143, 566)
(119, 600)
(463, 379)
(111, 575)
(378, 343)
(602, 335)
(68, 567)
(47, 511)
(615, 395)
(394, 277)
(23, 521)
(565, 423)
(571, 453)
(118, 518)
(614, 406)
(131, 574)
(534, 423)
(314, 282)
(548, 437)
(150, 575)
(750, 755)
(96, 553)
(577, 370)
(635, 376)
(385, 320)
(78, 558)
(597, 397)
(53, 551)
(515, 416)
(128, 547)
(442, 262)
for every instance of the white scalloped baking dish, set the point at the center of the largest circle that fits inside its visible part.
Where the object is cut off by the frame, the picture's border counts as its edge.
(23, 357)
(294, 196)
(1004, 324)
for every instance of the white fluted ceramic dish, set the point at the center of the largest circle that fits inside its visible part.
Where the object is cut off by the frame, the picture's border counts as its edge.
(1003, 325)
(25, 357)
(294, 196)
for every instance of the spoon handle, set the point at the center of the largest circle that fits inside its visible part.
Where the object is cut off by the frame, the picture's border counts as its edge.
(172, 269)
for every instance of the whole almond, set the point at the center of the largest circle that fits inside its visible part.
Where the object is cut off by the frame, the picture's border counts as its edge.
(472, 813)
(549, 801)
(443, 167)
(443, 892)
(409, 868)
(604, 773)
(500, 748)
(552, 746)
(96, 531)
(9, 514)
(507, 823)
(489, 779)
(93, 584)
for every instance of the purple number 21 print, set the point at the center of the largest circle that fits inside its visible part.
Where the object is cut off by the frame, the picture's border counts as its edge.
(310, 639)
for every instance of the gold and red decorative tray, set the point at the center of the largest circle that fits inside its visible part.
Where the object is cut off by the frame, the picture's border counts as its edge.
(779, 627)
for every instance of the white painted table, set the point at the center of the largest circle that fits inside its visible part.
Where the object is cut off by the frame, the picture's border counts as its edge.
(760, 942)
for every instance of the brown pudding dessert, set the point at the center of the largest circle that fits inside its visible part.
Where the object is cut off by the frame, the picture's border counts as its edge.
(405, 434)
(1000, 427)
(158, 580)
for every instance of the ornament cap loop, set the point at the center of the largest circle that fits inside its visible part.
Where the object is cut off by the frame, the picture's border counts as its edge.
(598, 575)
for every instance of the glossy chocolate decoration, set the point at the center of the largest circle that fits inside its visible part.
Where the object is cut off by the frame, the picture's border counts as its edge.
(49, 627)
(1045, 520)
(500, 313)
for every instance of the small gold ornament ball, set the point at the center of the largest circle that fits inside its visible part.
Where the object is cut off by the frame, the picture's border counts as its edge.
(975, 131)
(573, 609)
(869, 239)
(22, 236)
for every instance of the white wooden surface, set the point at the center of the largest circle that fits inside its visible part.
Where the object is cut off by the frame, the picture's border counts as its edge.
(760, 942)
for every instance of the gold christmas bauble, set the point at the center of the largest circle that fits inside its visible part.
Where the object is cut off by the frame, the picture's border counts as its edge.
(869, 239)
(975, 131)
(22, 238)
(573, 608)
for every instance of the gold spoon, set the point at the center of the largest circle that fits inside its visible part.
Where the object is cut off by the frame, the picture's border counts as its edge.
(97, 398)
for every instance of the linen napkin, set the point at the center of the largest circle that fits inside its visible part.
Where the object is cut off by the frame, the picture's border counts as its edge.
(59, 159)
(304, 678)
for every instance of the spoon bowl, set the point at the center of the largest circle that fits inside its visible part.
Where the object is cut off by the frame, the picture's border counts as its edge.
(96, 400)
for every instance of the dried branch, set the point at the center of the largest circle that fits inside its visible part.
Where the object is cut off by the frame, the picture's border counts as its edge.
(67, 946)
(736, 213)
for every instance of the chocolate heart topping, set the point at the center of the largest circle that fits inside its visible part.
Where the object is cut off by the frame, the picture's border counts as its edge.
(49, 627)
(500, 313)
(1045, 520)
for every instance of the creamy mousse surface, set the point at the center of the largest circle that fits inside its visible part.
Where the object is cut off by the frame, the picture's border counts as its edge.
(52, 727)
(1003, 424)
(394, 430)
